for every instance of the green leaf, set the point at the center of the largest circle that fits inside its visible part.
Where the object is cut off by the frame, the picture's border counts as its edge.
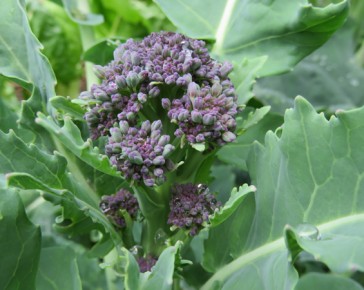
(243, 77)
(252, 118)
(161, 276)
(60, 38)
(310, 173)
(102, 52)
(236, 197)
(240, 29)
(330, 78)
(65, 105)
(131, 270)
(326, 281)
(8, 117)
(19, 243)
(20, 58)
(70, 136)
(58, 269)
(79, 12)
(16, 156)
(237, 153)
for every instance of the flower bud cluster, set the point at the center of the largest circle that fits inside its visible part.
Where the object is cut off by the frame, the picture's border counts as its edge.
(112, 206)
(141, 154)
(191, 205)
(146, 263)
(205, 113)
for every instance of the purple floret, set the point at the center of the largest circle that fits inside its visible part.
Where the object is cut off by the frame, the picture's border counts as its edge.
(140, 153)
(191, 205)
(112, 205)
(146, 263)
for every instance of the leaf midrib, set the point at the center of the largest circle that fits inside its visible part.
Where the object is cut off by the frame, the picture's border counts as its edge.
(268, 248)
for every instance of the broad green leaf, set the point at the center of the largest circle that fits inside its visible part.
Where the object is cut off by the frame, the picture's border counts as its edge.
(239, 28)
(131, 270)
(236, 197)
(161, 276)
(70, 136)
(310, 173)
(16, 156)
(102, 52)
(330, 78)
(66, 106)
(251, 118)
(237, 153)
(58, 269)
(20, 58)
(79, 12)
(8, 117)
(326, 281)
(19, 243)
(243, 77)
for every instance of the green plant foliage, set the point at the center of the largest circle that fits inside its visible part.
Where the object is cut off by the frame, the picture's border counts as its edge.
(21, 247)
(58, 269)
(306, 176)
(240, 30)
(326, 281)
(330, 78)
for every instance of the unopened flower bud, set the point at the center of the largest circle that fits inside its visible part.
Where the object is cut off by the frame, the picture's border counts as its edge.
(193, 90)
(99, 71)
(120, 82)
(135, 59)
(166, 103)
(183, 115)
(159, 160)
(142, 98)
(200, 138)
(154, 92)
(168, 149)
(146, 126)
(228, 136)
(158, 172)
(225, 69)
(156, 125)
(132, 80)
(115, 134)
(198, 103)
(216, 89)
(101, 95)
(208, 119)
(149, 182)
(124, 127)
(196, 116)
(163, 140)
(135, 157)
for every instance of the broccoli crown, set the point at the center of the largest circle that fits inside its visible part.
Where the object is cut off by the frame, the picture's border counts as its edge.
(191, 205)
(113, 205)
(168, 77)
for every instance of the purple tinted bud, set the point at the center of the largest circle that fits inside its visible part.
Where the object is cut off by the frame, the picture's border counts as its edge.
(156, 125)
(183, 115)
(208, 119)
(166, 103)
(193, 90)
(115, 134)
(228, 137)
(159, 160)
(85, 95)
(196, 116)
(135, 157)
(178, 133)
(101, 95)
(135, 59)
(198, 103)
(225, 69)
(200, 138)
(168, 149)
(120, 82)
(142, 98)
(146, 263)
(158, 172)
(132, 80)
(149, 182)
(216, 89)
(146, 126)
(124, 127)
(154, 92)
(99, 71)
(191, 205)
(112, 206)
(163, 140)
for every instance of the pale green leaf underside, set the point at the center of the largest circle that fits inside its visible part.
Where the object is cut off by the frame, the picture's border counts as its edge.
(313, 173)
(19, 244)
(312, 281)
(240, 29)
(58, 269)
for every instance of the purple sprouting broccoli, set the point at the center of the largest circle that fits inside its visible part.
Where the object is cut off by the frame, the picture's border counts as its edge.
(141, 154)
(166, 76)
(113, 205)
(146, 263)
(191, 205)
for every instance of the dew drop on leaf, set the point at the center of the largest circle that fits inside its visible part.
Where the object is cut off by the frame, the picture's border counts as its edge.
(308, 231)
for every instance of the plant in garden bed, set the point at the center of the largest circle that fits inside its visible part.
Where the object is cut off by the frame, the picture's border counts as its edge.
(139, 179)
